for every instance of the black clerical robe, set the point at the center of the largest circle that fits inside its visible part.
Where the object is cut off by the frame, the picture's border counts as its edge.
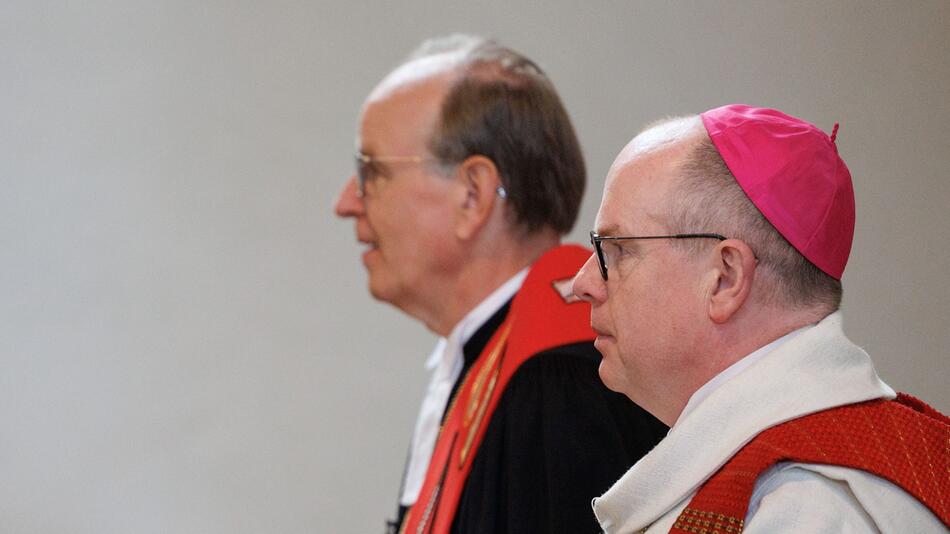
(557, 439)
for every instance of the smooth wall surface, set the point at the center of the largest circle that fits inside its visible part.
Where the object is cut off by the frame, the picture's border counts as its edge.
(186, 342)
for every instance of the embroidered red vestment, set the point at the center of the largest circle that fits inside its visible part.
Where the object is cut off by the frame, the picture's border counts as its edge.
(904, 441)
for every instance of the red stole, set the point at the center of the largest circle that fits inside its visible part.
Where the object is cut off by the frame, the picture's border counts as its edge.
(543, 315)
(904, 441)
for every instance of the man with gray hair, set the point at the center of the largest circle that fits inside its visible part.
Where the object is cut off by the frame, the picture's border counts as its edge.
(468, 174)
(715, 284)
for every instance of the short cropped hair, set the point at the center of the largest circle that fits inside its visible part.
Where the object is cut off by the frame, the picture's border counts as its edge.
(502, 106)
(709, 199)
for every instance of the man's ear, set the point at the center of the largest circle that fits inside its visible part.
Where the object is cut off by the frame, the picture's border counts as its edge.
(479, 181)
(732, 273)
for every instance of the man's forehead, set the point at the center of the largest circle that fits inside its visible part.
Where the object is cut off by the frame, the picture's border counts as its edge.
(634, 169)
(637, 189)
(665, 136)
(633, 220)
(412, 74)
(402, 113)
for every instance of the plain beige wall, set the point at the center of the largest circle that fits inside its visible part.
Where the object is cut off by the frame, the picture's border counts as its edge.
(186, 343)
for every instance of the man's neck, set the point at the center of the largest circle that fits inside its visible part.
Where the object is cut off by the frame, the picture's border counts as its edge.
(480, 275)
(732, 342)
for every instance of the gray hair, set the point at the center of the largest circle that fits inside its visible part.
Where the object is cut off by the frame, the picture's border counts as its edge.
(455, 44)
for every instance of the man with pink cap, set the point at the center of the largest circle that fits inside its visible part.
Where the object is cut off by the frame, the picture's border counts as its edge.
(715, 287)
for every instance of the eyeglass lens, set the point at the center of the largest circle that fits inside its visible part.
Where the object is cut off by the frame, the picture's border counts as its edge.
(600, 255)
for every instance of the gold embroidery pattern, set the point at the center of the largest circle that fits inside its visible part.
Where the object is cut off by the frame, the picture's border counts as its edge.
(423, 523)
(906, 450)
(479, 400)
(428, 510)
(701, 522)
(930, 462)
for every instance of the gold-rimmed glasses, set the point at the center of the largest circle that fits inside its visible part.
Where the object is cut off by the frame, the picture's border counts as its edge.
(366, 169)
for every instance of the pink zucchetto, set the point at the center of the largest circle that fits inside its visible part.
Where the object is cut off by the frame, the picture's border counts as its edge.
(791, 171)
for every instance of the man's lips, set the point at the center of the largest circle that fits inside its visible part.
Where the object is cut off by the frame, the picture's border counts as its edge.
(371, 247)
(603, 341)
(600, 332)
(370, 250)
(368, 241)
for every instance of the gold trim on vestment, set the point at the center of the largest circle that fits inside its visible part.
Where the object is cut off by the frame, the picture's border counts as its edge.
(703, 522)
(478, 402)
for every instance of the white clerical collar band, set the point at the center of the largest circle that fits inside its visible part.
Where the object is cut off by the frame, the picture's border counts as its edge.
(700, 394)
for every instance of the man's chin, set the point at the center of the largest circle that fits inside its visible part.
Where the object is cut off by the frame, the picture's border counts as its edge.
(382, 289)
(377, 287)
(378, 292)
(607, 377)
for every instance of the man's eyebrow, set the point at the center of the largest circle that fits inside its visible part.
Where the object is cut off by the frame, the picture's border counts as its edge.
(607, 230)
(613, 229)
(364, 147)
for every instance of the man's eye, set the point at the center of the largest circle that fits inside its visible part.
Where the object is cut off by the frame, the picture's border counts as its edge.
(371, 171)
(617, 250)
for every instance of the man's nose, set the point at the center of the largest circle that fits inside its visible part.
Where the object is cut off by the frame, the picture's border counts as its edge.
(349, 203)
(589, 285)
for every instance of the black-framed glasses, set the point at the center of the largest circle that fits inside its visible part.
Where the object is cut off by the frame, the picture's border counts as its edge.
(596, 241)
(366, 170)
